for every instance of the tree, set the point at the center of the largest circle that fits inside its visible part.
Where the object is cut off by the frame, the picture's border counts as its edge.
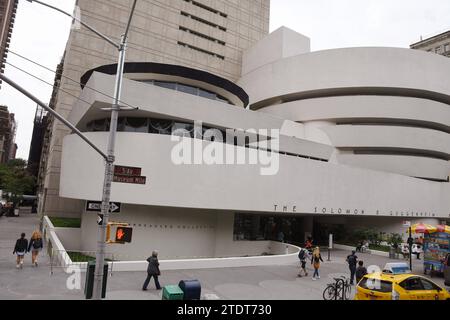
(394, 240)
(15, 181)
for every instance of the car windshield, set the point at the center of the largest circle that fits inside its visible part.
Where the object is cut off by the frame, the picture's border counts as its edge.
(376, 285)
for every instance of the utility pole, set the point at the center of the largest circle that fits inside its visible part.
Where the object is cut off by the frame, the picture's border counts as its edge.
(110, 158)
(410, 243)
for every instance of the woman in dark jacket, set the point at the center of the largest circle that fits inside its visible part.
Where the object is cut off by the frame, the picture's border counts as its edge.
(152, 271)
(20, 249)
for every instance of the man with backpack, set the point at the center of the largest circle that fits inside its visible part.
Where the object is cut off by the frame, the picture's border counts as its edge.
(352, 260)
(303, 255)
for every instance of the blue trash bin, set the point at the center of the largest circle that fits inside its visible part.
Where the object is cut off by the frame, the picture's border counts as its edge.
(191, 288)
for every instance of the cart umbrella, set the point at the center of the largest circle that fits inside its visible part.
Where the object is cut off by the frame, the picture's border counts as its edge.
(423, 228)
(442, 228)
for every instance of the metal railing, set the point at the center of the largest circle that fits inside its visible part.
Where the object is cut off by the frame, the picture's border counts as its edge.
(67, 260)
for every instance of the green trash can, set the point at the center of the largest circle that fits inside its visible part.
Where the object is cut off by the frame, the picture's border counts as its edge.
(172, 293)
(89, 284)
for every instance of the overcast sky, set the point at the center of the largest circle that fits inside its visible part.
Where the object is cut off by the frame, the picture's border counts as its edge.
(41, 35)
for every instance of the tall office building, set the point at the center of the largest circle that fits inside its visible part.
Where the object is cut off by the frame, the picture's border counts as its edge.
(8, 127)
(206, 35)
(7, 15)
(439, 44)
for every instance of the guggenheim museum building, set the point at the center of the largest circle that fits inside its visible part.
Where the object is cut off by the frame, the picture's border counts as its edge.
(302, 143)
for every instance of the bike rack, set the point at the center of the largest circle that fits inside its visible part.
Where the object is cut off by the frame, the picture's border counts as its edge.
(336, 289)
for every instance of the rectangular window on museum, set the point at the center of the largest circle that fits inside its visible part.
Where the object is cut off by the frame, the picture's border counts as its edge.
(438, 50)
(447, 47)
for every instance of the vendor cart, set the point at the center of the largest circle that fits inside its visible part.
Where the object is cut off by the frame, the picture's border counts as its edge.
(436, 246)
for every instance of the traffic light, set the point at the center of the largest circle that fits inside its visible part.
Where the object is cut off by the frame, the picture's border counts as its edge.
(124, 234)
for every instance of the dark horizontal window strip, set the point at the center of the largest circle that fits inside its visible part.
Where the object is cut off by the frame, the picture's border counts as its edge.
(211, 24)
(433, 180)
(172, 70)
(353, 91)
(399, 152)
(168, 127)
(205, 7)
(409, 123)
(201, 35)
(197, 91)
(201, 50)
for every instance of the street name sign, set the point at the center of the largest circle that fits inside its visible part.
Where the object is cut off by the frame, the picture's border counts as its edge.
(96, 206)
(123, 174)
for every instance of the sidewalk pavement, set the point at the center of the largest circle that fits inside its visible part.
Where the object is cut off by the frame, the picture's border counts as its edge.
(246, 283)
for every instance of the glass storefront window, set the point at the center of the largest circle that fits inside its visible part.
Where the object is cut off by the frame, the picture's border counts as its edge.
(183, 129)
(99, 125)
(136, 125)
(161, 126)
(121, 124)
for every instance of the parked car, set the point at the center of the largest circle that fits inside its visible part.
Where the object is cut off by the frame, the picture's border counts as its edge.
(385, 286)
(396, 268)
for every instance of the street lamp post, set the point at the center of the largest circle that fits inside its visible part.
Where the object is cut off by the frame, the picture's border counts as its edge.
(109, 166)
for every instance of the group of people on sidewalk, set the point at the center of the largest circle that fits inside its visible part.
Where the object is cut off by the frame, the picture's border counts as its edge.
(315, 257)
(22, 247)
(35, 246)
(306, 254)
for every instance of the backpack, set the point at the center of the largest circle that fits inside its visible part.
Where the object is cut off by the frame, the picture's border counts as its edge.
(351, 259)
(302, 254)
(37, 243)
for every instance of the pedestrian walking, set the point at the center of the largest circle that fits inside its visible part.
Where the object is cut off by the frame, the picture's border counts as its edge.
(361, 271)
(309, 244)
(280, 236)
(20, 249)
(152, 271)
(315, 261)
(352, 260)
(35, 246)
(303, 255)
(416, 249)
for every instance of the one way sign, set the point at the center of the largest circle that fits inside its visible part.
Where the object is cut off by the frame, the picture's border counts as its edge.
(96, 206)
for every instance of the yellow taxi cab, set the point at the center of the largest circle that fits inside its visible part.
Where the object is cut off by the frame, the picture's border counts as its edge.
(385, 286)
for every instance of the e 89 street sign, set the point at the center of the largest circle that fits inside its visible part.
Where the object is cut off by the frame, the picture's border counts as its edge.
(96, 206)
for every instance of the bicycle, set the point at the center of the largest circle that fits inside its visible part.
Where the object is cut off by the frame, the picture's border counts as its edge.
(339, 290)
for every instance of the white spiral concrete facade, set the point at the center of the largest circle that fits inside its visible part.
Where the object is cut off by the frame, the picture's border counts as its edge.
(364, 140)
(385, 109)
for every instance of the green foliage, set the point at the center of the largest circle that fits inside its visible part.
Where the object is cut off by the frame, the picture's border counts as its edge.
(79, 257)
(15, 180)
(65, 222)
(358, 235)
(83, 257)
(395, 239)
(379, 247)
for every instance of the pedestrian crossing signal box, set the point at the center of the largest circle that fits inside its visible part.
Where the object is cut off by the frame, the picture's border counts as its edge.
(122, 235)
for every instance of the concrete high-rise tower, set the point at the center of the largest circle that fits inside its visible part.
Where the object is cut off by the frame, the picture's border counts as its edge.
(209, 35)
(7, 16)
